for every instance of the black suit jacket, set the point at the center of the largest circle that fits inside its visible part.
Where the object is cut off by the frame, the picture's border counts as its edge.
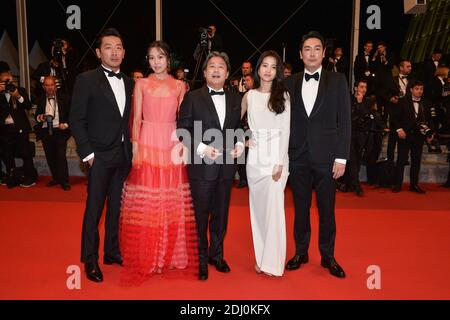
(63, 106)
(406, 118)
(198, 106)
(325, 134)
(95, 118)
(18, 113)
(361, 66)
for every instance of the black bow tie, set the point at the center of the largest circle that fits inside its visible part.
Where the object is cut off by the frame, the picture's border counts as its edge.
(119, 75)
(220, 93)
(314, 76)
(403, 77)
(416, 100)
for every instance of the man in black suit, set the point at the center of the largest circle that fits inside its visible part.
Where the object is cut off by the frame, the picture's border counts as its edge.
(52, 115)
(362, 62)
(428, 71)
(99, 118)
(212, 161)
(412, 131)
(318, 149)
(399, 87)
(14, 130)
(381, 66)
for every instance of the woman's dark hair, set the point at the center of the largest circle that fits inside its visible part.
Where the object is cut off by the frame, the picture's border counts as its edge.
(277, 94)
(107, 33)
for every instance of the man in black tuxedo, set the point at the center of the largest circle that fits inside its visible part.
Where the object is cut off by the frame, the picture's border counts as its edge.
(99, 118)
(52, 116)
(428, 70)
(412, 119)
(212, 156)
(318, 149)
(362, 62)
(14, 130)
(399, 87)
(381, 65)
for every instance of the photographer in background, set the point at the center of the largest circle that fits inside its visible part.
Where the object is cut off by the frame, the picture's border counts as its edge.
(52, 115)
(14, 130)
(361, 124)
(60, 66)
(413, 130)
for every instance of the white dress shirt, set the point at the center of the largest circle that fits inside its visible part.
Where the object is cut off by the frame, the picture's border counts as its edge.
(51, 108)
(309, 91)
(220, 105)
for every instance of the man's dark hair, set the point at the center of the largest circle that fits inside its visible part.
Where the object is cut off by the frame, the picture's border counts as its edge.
(416, 83)
(4, 67)
(437, 51)
(357, 82)
(311, 35)
(381, 43)
(368, 41)
(402, 61)
(107, 33)
(213, 54)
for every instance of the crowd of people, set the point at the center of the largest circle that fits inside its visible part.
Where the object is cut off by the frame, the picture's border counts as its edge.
(162, 155)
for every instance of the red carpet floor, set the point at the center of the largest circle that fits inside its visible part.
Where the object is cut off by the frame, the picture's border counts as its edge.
(406, 235)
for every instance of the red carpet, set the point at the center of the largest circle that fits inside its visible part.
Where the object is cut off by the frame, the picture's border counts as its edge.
(405, 234)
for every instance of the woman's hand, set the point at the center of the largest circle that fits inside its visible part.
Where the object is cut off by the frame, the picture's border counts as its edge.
(276, 172)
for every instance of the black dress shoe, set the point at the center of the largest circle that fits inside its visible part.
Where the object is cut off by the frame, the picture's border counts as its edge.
(359, 192)
(221, 265)
(51, 183)
(65, 186)
(417, 189)
(396, 189)
(297, 261)
(93, 271)
(203, 272)
(242, 184)
(334, 268)
(112, 259)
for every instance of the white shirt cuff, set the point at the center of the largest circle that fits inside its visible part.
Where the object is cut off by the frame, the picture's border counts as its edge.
(341, 161)
(398, 130)
(89, 157)
(201, 149)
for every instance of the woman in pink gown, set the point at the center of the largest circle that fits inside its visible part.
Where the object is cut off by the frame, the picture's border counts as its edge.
(157, 223)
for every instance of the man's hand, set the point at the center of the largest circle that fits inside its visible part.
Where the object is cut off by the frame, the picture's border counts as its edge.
(276, 172)
(338, 170)
(2, 86)
(430, 139)
(401, 134)
(91, 162)
(359, 97)
(63, 126)
(40, 118)
(212, 153)
(237, 151)
(394, 99)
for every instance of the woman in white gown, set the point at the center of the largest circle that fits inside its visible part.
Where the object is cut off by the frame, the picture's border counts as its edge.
(268, 112)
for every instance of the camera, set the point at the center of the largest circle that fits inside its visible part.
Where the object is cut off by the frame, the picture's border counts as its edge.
(58, 46)
(425, 130)
(203, 35)
(49, 120)
(9, 86)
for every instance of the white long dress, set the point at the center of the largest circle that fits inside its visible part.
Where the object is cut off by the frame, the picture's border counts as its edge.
(270, 133)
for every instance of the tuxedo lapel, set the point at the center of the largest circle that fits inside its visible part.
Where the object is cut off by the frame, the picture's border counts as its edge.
(229, 110)
(210, 105)
(128, 91)
(323, 84)
(106, 89)
(298, 94)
